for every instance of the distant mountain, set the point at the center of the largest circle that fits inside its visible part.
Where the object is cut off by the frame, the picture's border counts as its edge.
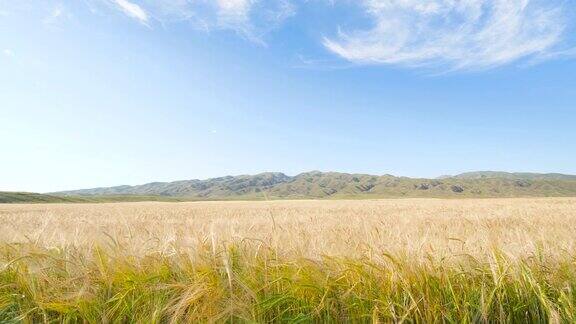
(343, 185)
(516, 175)
(216, 187)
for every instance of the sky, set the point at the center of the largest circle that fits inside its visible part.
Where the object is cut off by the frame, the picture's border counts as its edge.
(110, 92)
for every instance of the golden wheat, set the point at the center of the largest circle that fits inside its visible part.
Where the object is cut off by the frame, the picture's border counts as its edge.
(416, 227)
(418, 260)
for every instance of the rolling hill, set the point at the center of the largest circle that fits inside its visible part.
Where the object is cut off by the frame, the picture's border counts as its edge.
(517, 175)
(343, 185)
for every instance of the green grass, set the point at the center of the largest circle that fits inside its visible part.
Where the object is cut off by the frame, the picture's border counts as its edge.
(249, 283)
(27, 198)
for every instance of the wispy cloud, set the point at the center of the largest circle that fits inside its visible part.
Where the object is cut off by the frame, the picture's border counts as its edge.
(8, 52)
(57, 15)
(450, 34)
(133, 10)
(251, 19)
(465, 34)
(233, 13)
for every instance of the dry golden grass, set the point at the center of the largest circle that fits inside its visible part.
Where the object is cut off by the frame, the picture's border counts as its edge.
(416, 227)
(417, 259)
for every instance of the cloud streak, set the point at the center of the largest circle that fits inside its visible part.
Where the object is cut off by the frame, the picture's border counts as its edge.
(436, 34)
(459, 34)
(233, 13)
(133, 10)
(251, 19)
(8, 52)
(57, 16)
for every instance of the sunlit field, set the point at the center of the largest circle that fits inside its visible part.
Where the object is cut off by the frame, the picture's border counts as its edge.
(415, 260)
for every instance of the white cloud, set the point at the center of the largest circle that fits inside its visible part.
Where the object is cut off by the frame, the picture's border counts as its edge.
(57, 16)
(235, 15)
(234, 11)
(8, 52)
(460, 34)
(235, 6)
(133, 10)
(251, 19)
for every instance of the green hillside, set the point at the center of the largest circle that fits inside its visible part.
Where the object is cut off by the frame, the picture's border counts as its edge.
(515, 175)
(27, 197)
(319, 185)
(343, 185)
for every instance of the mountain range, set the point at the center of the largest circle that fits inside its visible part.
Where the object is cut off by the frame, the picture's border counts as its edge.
(319, 185)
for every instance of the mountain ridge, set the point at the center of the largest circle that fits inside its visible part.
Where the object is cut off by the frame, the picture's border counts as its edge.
(514, 175)
(317, 184)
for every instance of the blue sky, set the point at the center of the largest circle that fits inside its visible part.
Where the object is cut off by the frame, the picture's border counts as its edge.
(109, 92)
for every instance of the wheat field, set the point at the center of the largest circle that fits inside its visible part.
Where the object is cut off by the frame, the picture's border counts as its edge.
(414, 260)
